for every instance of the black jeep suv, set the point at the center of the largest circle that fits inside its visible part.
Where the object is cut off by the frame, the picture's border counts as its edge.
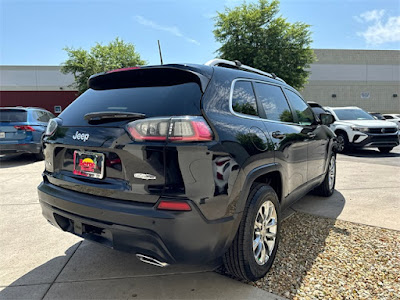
(185, 163)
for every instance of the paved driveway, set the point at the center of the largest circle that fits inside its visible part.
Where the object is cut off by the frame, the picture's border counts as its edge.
(367, 190)
(39, 261)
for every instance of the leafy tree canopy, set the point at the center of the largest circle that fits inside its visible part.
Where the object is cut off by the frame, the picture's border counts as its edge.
(82, 64)
(256, 36)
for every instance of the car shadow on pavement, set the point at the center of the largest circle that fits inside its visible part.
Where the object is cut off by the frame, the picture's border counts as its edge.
(16, 160)
(90, 270)
(370, 153)
(36, 283)
(303, 240)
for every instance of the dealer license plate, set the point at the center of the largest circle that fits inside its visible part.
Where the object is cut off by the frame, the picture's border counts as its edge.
(89, 164)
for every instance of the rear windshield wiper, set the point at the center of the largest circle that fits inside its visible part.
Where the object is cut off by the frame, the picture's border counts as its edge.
(109, 116)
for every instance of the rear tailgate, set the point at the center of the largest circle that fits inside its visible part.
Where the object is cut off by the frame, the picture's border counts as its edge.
(9, 118)
(132, 170)
(122, 160)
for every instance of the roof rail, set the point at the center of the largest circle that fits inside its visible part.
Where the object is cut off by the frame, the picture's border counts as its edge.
(237, 64)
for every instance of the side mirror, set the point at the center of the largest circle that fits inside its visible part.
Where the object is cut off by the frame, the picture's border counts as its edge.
(326, 119)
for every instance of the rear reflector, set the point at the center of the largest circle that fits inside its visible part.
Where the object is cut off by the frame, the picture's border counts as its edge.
(175, 129)
(174, 205)
(24, 127)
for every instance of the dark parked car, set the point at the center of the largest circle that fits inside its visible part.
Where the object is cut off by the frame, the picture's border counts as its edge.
(185, 163)
(22, 130)
(377, 116)
(317, 108)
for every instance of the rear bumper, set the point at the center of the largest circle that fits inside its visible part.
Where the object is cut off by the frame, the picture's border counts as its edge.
(20, 148)
(171, 237)
(387, 140)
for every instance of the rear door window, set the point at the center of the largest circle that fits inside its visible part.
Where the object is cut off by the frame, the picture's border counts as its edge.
(274, 102)
(12, 115)
(243, 98)
(42, 116)
(303, 112)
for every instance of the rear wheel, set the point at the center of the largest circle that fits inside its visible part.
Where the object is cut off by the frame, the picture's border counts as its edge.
(342, 142)
(327, 187)
(40, 154)
(385, 149)
(254, 248)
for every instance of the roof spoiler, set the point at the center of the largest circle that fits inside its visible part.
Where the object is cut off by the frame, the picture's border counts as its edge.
(165, 75)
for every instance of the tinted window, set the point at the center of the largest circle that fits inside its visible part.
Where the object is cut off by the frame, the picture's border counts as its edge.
(12, 115)
(243, 99)
(181, 99)
(352, 114)
(304, 113)
(274, 102)
(388, 117)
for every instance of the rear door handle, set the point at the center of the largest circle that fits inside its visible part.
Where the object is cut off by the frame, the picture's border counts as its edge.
(278, 135)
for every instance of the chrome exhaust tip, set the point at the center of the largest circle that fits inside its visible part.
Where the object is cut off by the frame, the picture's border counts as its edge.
(151, 261)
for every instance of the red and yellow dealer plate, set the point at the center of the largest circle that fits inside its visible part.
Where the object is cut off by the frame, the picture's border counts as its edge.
(89, 164)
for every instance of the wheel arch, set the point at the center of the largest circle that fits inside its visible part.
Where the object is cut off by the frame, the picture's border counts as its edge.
(269, 174)
(341, 130)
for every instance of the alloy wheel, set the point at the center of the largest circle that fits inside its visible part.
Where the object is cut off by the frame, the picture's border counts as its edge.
(332, 172)
(265, 230)
(340, 143)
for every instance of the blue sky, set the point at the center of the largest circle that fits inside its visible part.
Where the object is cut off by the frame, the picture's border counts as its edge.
(34, 32)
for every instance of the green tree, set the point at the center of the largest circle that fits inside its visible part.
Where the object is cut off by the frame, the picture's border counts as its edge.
(82, 64)
(255, 35)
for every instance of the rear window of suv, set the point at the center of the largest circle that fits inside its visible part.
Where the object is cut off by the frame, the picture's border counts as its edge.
(154, 101)
(243, 98)
(12, 115)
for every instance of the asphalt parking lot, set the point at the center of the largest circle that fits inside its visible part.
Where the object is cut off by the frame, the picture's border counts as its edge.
(38, 261)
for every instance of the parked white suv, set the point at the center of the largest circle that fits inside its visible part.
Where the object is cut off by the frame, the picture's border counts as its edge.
(395, 118)
(356, 128)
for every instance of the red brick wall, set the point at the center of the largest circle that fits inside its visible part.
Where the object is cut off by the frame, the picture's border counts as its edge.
(43, 99)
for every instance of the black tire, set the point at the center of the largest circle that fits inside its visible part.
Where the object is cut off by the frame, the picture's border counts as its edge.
(326, 188)
(342, 142)
(40, 155)
(240, 259)
(385, 149)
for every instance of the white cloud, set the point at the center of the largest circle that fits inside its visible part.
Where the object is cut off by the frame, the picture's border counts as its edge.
(380, 29)
(373, 15)
(170, 29)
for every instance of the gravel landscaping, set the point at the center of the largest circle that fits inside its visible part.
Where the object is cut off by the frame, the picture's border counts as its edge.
(320, 258)
(325, 258)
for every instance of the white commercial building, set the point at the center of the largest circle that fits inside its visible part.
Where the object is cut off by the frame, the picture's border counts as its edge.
(369, 79)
